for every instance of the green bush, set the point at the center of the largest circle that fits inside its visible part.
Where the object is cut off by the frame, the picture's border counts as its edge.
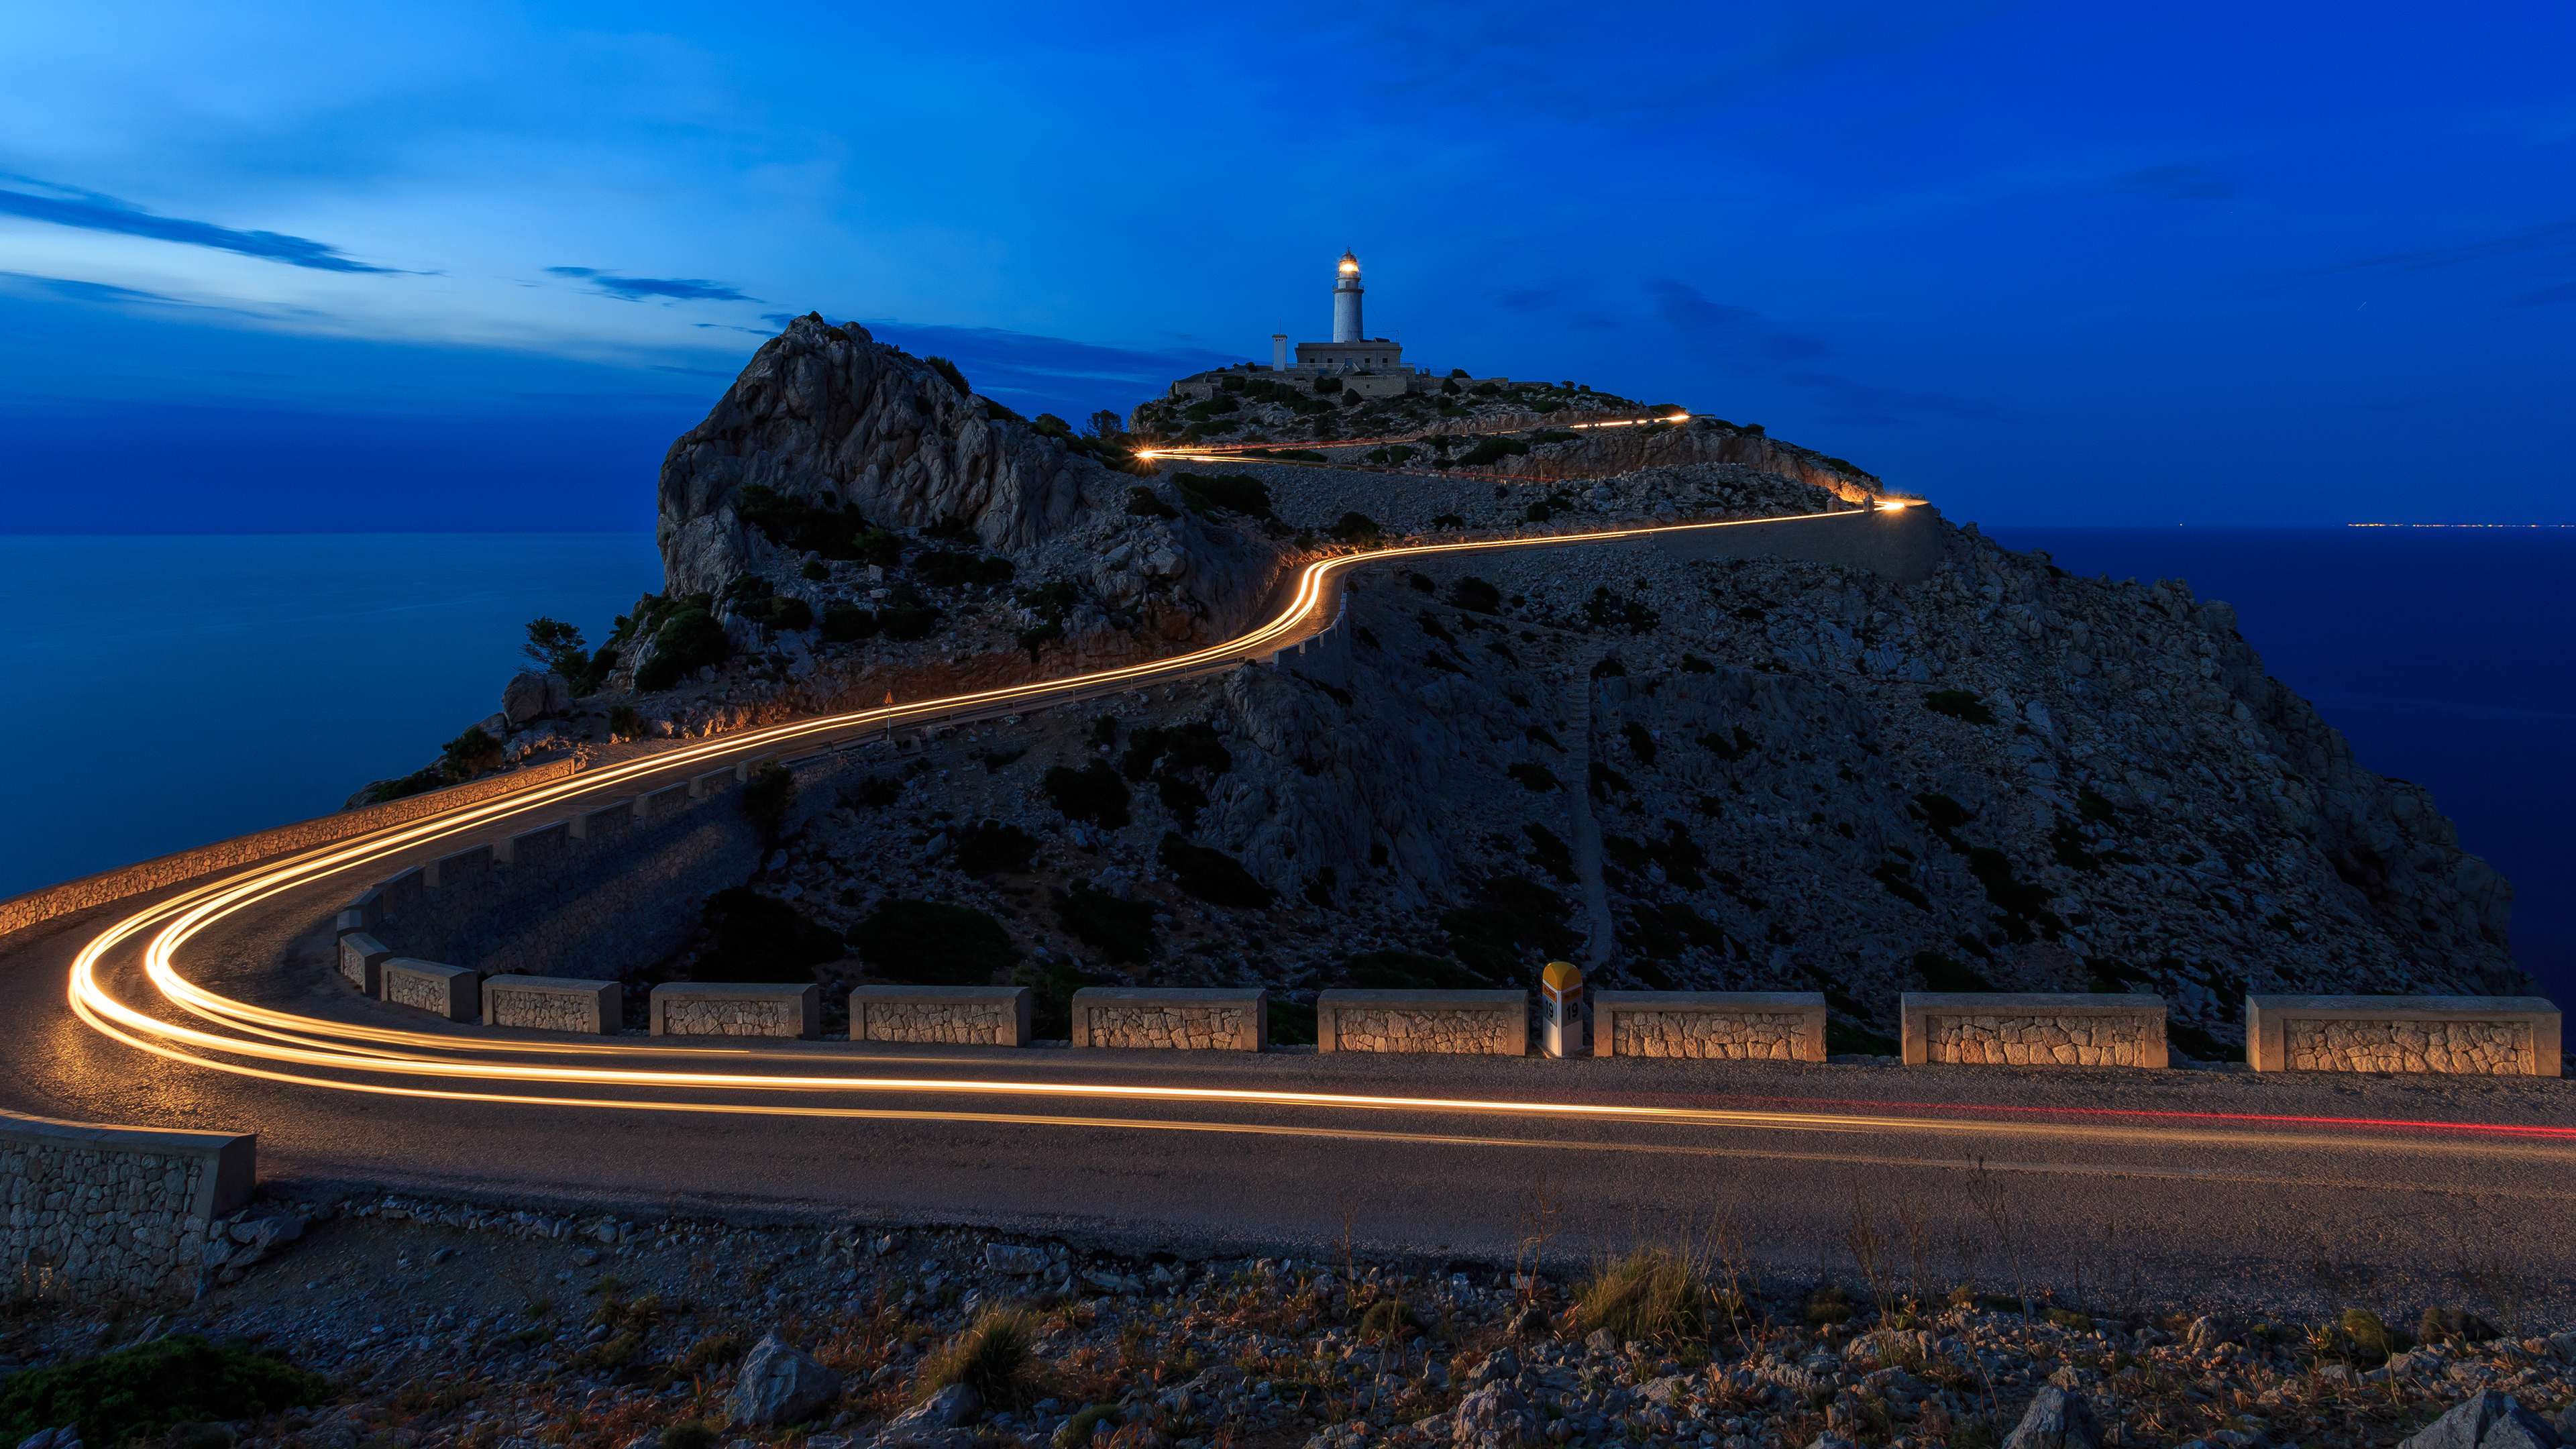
(786, 611)
(1493, 450)
(1536, 777)
(1226, 492)
(996, 1357)
(470, 754)
(991, 848)
(926, 943)
(907, 622)
(1212, 875)
(1037, 637)
(1354, 528)
(1940, 973)
(1607, 610)
(418, 782)
(1093, 793)
(956, 376)
(1119, 930)
(625, 723)
(556, 646)
(753, 937)
(150, 1388)
(688, 641)
(767, 798)
(815, 571)
(1475, 596)
(1959, 704)
(944, 569)
(848, 623)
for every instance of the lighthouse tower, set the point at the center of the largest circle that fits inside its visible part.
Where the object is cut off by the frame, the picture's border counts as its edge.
(1346, 301)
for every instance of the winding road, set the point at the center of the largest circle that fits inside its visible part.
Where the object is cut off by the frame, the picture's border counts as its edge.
(173, 1011)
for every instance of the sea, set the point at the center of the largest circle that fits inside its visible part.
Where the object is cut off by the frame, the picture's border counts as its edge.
(176, 690)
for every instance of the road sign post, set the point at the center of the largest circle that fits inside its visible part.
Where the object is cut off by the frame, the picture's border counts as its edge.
(1560, 994)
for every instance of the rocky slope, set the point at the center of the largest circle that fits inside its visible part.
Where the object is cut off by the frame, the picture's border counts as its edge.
(1802, 776)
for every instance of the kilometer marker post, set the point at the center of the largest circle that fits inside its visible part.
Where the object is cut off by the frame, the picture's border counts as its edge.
(1560, 995)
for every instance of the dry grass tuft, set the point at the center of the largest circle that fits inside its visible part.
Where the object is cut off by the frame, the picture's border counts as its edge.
(1652, 1294)
(996, 1357)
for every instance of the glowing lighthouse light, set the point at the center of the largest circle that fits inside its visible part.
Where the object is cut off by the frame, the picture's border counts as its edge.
(1346, 301)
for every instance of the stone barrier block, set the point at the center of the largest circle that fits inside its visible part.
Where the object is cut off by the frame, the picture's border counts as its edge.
(554, 1003)
(119, 1213)
(401, 897)
(1780, 1026)
(1485, 1023)
(370, 906)
(713, 782)
(604, 822)
(362, 960)
(349, 921)
(722, 1008)
(2499, 1036)
(2034, 1028)
(669, 800)
(743, 772)
(465, 867)
(536, 849)
(946, 1015)
(1225, 1018)
(441, 990)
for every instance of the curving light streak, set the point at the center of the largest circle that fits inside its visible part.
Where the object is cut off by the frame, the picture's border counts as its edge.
(285, 1040)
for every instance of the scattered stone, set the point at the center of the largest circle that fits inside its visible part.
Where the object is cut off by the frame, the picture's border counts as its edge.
(2056, 1419)
(1493, 1416)
(953, 1407)
(778, 1385)
(1014, 1259)
(2487, 1420)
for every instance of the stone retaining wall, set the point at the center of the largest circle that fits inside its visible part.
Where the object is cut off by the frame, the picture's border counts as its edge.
(2505, 1036)
(2042, 1029)
(1474, 1023)
(1784, 1026)
(448, 991)
(554, 1003)
(943, 1016)
(1207, 1019)
(98, 1212)
(702, 1008)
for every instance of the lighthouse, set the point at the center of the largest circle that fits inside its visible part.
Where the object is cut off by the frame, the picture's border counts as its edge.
(1346, 301)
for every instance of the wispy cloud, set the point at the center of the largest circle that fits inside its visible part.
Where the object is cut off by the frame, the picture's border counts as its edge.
(2557, 234)
(2174, 181)
(670, 289)
(91, 211)
(1739, 339)
(1052, 371)
(80, 291)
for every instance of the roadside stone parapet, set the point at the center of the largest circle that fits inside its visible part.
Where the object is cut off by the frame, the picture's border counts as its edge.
(1780, 1026)
(2488, 1036)
(722, 1008)
(1471, 1023)
(2034, 1029)
(441, 990)
(362, 960)
(1199, 1019)
(554, 1003)
(101, 1212)
(942, 1015)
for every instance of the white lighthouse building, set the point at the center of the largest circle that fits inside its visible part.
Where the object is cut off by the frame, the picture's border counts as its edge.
(1346, 301)
(1361, 366)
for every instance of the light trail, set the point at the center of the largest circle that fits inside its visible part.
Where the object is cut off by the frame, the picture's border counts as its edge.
(260, 1043)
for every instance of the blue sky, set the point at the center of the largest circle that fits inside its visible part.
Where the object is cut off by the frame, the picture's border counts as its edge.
(314, 268)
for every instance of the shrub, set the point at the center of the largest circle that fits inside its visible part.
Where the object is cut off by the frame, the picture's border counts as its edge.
(151, 1387)
(1119, 930)
(2372, 1340)
(1354, 528)
(996, 1357)
(416, 783)
(1959, 704)
(1449, 520)
(1607, 610)
(1511, 914)
(1493, 450)
(753, 937)
(625, 723)
(925, 943)
(2442, 1325)
(956, 376)
(1292, 1023)
(1212, 875)
(1093, 793)
(815, 571)
(848, 623)
(1037, 637)
(786, 611)
(907, 622)
(991, 848)
(1409, 971)
(1940, 973)
(688, 641)
(557, 646)
(945, 569)
(1143, 502)
(766, 798)
(1227, 492)
(690, 1434)
(470, 754)
(1535, 776)
(1652, 1294)
(1475, 596)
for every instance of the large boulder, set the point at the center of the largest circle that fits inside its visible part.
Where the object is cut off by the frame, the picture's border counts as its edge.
(2056, 1419)
(2487, 1420)
(952, 1408)
(530, 695)
(779, 1386)
(1494, 1417)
